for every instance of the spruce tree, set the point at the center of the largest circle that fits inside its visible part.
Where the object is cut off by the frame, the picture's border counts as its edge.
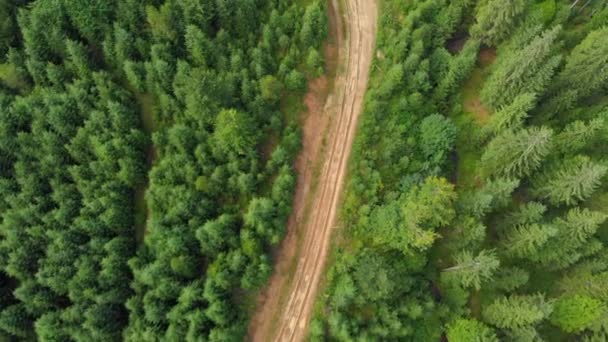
(495, 19)
(586, 71)
(571, 181)
(578, 134)
(470, 330)
(574, 236)
(517, 311)
(473, 270)
(527, 70)
(526, 240)
(517, 153)
(576, 313)
(511, 116)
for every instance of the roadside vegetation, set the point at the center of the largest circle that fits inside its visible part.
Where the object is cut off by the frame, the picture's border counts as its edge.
(476, 203)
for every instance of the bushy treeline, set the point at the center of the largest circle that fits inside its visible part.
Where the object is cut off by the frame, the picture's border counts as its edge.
(73, 79)
(514, 249)
(398, 197)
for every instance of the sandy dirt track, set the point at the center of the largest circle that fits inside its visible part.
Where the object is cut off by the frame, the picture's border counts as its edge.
(287, 320)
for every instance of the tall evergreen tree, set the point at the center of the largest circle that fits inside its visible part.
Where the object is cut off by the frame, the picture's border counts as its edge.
(571, 181)
(511, 116)
(473, 270)
(586, 71)
(578, 134)
(495, 19)
(526, 240)
(517, 153)
(515, 312)
(576, 313)
(574, 237)
(527, 70)
(470, 330)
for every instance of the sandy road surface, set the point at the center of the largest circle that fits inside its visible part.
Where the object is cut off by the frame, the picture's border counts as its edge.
(288, 321)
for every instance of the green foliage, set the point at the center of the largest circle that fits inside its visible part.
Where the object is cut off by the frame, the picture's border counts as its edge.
(526, 240)
(527, 70)
(472, 271)
(584, 72)
(470, 330)
(74, 156)
(517, 311)
(570, 182)
(517, 153)
(437, 136)
(576, 313)
(511, 116)
(271, 88)
(578, 134)
(495, 19)
(234, 132)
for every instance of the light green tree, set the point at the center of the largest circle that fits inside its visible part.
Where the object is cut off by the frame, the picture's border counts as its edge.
(576, 313)
(517, 311)
(470, 330)
(511, 116)
(517, 153)
(473, 270)
(526, 70)
(578, 134)
(526, 240)
(571, 181)
(495, 19)
(234, 132)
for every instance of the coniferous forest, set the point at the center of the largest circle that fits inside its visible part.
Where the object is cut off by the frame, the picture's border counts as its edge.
(135, 201)
(147, 153)
(477, 202)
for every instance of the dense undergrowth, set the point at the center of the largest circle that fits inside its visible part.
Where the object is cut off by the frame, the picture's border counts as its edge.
(75, 78)
(475, 210)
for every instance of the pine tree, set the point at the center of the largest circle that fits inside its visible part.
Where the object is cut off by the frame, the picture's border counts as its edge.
(527, 70)
(517, 311)
(571, 181)
(473, 270)
(495, 19)
(517, 153)
(511, 116)
(526, 240)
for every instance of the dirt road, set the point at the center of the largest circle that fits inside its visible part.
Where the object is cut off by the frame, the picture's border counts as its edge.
(287, 320)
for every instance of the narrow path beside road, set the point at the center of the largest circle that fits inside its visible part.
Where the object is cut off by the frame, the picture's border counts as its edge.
(291, 317)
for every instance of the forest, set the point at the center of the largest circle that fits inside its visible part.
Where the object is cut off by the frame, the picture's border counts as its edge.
(146, 154)
(476, 206)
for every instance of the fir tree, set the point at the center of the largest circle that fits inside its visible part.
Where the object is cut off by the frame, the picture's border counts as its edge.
(526, 240)
(527, 70)
(511, 116)
(571, 181)
(473, 270)
(517, 153)
(517, 311)
(495, 19)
